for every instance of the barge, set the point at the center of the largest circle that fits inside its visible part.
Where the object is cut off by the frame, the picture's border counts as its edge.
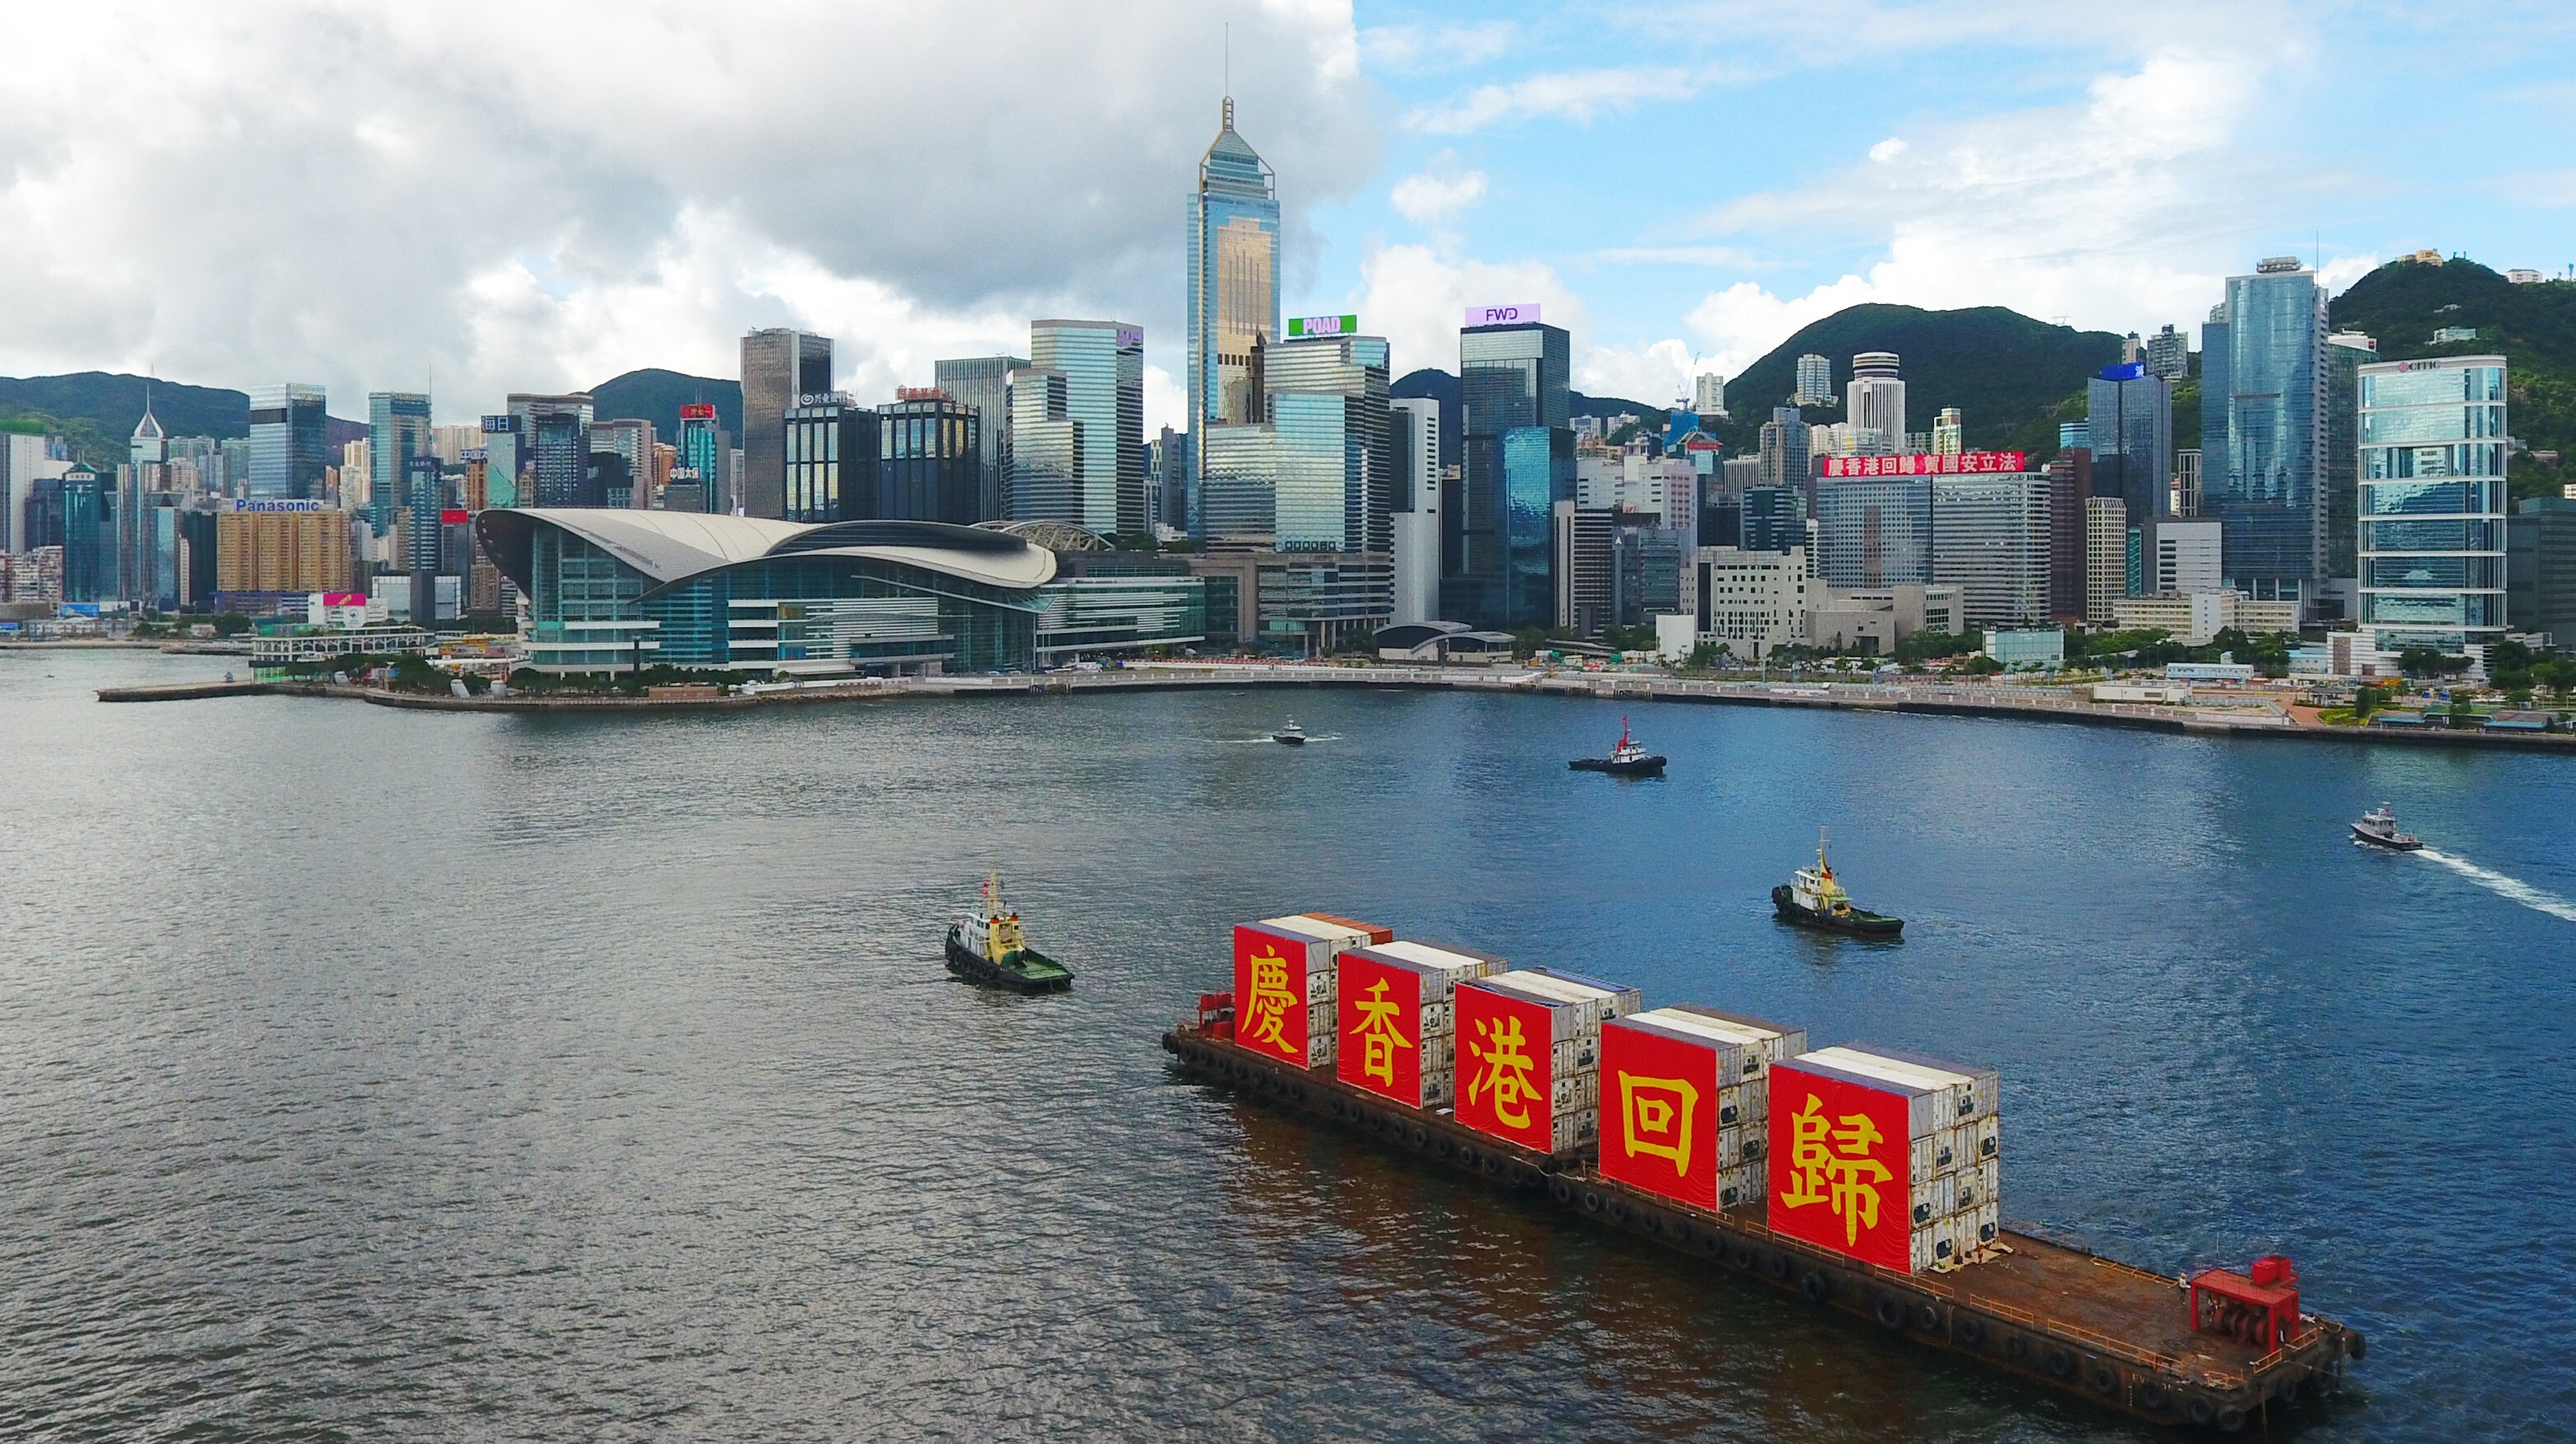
(2054, 1315)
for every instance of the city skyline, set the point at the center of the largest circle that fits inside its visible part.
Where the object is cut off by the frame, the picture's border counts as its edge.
(1424, 158)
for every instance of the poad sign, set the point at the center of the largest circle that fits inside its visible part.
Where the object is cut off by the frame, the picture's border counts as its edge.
(1838, 1166)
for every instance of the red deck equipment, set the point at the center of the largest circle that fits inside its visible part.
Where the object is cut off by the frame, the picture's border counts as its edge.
(2262, 1310)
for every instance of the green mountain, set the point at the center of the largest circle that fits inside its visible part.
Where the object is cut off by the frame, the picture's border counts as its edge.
(96, 411)
(656, 395)
(2009, 375)
(2403, 303)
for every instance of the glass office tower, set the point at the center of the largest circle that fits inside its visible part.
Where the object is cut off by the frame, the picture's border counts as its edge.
(929, 460)
(1103, 365)
(779, 365)
(397, 430)
(1873, 531)
(2129, 427)
(831, 447)
(1498, 546)
(1047, 451)
(2432, 473)
(703, 446)
(984, 383)
(1326, 397)
(2263, 418)
(288, 453)
(556, 432)
(1234, 279)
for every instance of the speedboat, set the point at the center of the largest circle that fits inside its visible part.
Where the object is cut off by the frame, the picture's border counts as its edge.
(2379, 829)
(1291, 735)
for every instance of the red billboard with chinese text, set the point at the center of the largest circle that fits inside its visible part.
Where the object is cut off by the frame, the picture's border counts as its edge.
(697, 411)
(1962, 463)
(1503, 1063)
(1381, 1029)
(1839, 1165)
(1270, 966)
(1659, 1113)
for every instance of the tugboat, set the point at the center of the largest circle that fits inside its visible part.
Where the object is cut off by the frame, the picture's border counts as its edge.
(1628, 759)
(988, 949)
(1813, 899)
(1291, 735)
(2379, 829)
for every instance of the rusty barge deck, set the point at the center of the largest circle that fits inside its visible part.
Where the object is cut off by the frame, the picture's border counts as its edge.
(2060, 1317)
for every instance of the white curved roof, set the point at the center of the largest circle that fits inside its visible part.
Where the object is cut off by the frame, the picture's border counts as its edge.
(670, 545)
(673, 546)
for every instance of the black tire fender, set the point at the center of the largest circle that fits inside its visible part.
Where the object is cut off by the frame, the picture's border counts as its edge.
(2199, 1411)
(1927, 1318)
(1777, 1265)
(1467, 1154)
(1421, 1136)
(1816, 1286)
(1618, 1210)
(2017, 1346)
(2230, 1419)
(2354, 1345)
(2153, 1397)
(1891, 1312)
(1446, 1146)
(2104, 1379)
(1560, 1190)
(1591, 1200)
(2060, 1363)
(1968, 1329)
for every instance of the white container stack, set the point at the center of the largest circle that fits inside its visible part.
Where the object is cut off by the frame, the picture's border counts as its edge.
(1955, 1148)
(1435, 970)
(1744, 1102)
(1572, 1008)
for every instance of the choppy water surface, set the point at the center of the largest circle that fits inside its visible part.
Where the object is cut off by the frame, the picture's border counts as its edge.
(375, 1074)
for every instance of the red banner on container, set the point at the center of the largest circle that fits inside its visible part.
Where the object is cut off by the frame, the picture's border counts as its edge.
(1659, 1114)
(1925, 464)
(1270, 992)
(1381, 1029)
(1839, 1167)
(1503, 1066)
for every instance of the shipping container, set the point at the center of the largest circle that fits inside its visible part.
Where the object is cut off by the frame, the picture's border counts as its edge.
(1768, 1041)
(1279, 973)
(1521, 1033)
(1856, 1149)
(1978, 1089)
(1369, 933)
(1738, 1187)
(1395, 1014)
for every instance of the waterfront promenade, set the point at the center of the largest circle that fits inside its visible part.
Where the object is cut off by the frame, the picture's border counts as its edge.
(2227, 711)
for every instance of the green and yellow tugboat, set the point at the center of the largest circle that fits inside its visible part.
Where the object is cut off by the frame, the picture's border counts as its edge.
(988, 949)
(1812, 898)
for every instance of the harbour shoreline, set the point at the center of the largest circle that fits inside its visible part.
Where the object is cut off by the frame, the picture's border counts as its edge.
(2221, 716)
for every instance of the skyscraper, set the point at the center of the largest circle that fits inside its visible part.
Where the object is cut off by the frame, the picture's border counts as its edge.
(1873, 531)
(831, 446)
(703, 446)
(2263, 418)
(2130, 433)
(1990, 539)
(1234, 277)
(631, 438)
(1414, 429)
(1046, 450)
(1709, 395)
(1815, 381)
(778, 366)
(2433, 507)
(1784, 443)
(929, 460)
(984, 383)
(397, 430)
(505, 447)
(1948, 432)
(287, 440)
(1318, 473)
(555, 430)
(1519, 462)
(2169, 354)
(1875, 397)
(1103, 366)
(422, 494)
(2346, 353)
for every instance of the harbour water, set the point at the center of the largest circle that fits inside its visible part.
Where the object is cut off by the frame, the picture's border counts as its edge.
(378, 1074)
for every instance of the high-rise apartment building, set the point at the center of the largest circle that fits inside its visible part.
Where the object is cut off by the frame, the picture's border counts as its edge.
(1990, 539)
(2263, 422)
(1815, 381)
(631, 440)
(1784, 442)
(2129, 430)
(2186, 499)
(1948, 432)
(505, 451)
(930, 460)
(2433, 503)
(2169, 354)
(1875, 396)
(2070, 484)
(1103, 366)
(1234, 279)
(984, 384)
(281, 546)
(289, 435)
(778, 366)
(1518, 463)
(2106, 557)
(1709, 395)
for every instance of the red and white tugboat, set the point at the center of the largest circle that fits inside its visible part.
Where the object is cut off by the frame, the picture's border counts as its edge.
(1628, 759)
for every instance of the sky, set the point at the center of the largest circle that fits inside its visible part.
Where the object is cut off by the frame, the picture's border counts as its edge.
(475, 198)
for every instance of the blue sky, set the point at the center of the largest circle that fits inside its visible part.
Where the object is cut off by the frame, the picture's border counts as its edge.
(1698, 179)
(371, 194)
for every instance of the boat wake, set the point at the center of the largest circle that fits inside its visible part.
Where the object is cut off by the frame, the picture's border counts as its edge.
(2496, 882)
(1266, 741)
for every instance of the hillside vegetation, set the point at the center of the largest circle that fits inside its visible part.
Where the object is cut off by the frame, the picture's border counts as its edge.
(2403, 303)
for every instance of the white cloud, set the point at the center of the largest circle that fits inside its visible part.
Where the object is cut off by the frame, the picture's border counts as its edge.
(1430, 199)
(1426, 49)
(2124, 210)
(1415, 296)
(1576, 95)
(1656, 375)
(353, 193)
